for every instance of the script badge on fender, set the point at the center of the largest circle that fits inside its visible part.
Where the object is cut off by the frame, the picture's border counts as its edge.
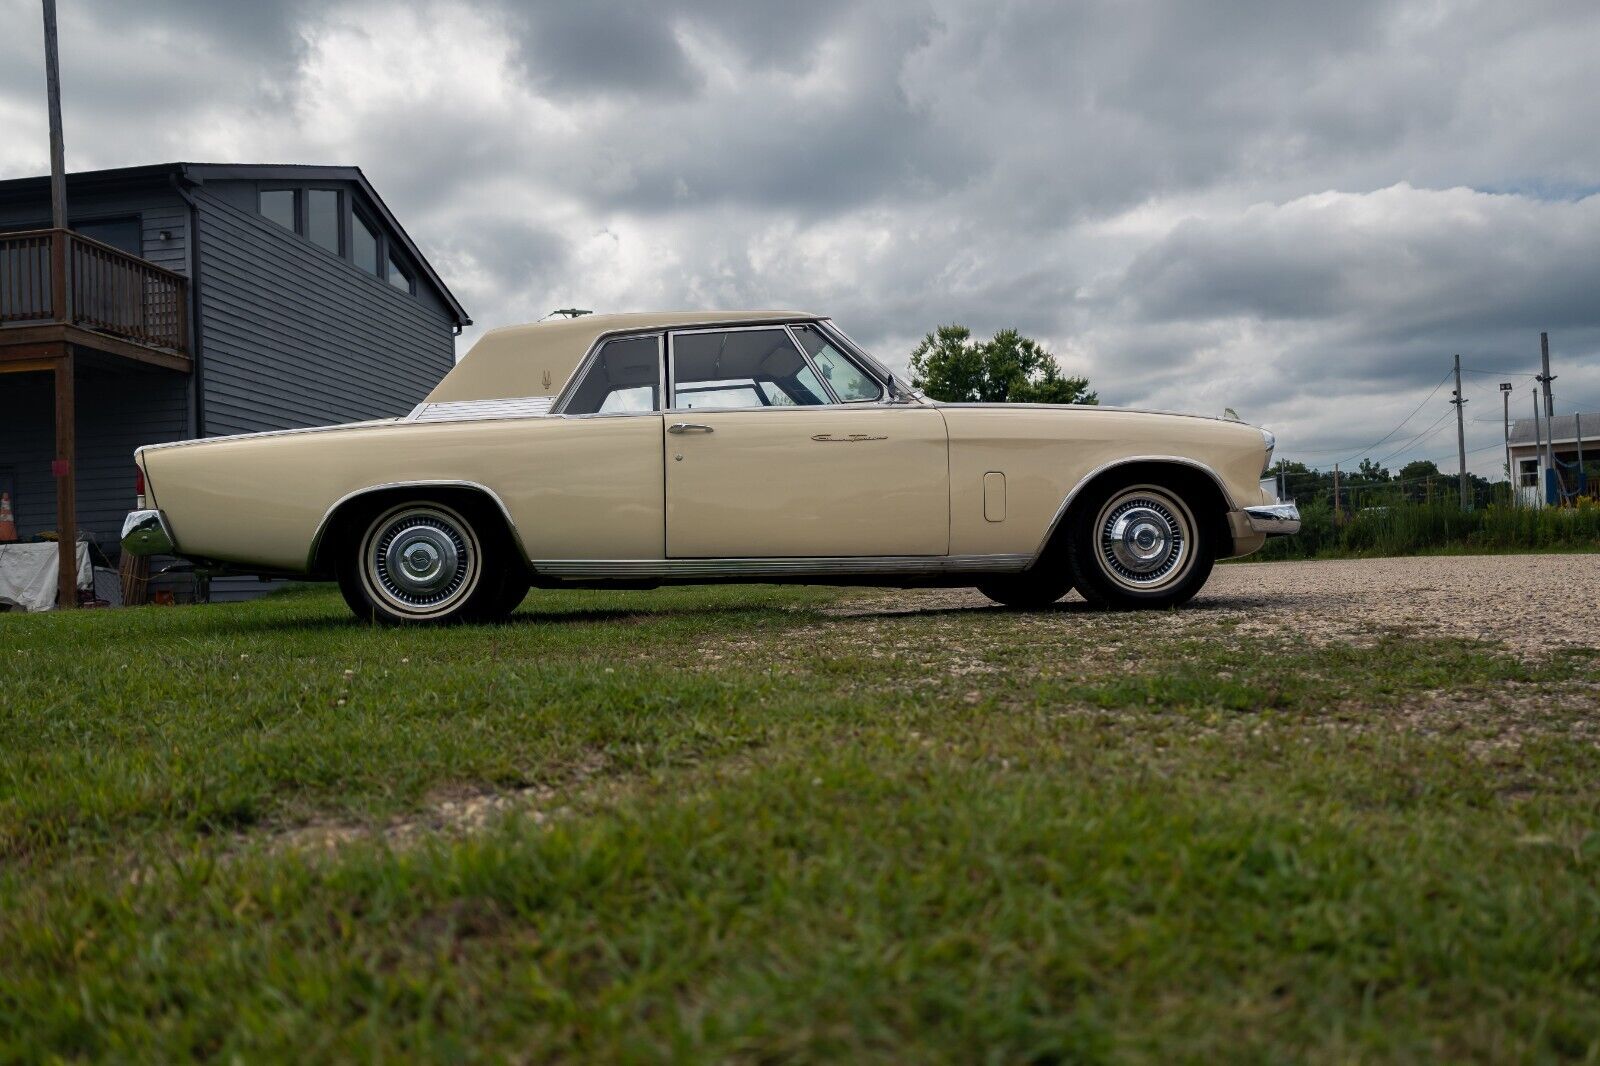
(853, 438)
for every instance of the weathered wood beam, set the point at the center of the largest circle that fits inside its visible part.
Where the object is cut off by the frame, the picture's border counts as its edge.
(29, 337)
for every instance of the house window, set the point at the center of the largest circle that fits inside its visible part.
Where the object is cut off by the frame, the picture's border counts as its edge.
(1529, 470)
(278, 205)
(322, 218)
(397, 274)
(364, 245)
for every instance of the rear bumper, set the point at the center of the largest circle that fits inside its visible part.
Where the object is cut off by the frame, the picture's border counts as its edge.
(147, 533)
(1273, 519)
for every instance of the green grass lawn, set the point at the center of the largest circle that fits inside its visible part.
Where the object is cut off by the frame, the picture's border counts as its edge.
(760, 824)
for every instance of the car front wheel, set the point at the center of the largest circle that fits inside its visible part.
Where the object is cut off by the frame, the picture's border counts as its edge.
(423, 562)
(1138, 547)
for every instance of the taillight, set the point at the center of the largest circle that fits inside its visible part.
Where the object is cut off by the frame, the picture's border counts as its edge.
(138, 480)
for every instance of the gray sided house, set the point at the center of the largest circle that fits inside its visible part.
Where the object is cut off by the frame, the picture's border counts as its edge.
(194, 300)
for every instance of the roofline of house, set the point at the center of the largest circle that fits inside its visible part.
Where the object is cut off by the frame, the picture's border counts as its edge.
(199, 173)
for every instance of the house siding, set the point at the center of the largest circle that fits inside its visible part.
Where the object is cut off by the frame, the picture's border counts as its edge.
(149, 407)
(294, 336)
(158, 208)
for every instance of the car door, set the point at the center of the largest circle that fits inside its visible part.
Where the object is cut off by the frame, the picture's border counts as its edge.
(765, 460)
(587, 485)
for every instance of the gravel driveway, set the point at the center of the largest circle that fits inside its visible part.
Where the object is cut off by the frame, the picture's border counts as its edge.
(1528, 603)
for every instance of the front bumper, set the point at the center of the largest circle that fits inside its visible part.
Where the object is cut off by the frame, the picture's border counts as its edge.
(1274, 519)
(147, 533)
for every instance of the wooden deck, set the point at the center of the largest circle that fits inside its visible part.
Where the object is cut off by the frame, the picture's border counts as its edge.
(59, 287)
(61, 293)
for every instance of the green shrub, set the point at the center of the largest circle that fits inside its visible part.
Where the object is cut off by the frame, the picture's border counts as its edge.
(1404, 528)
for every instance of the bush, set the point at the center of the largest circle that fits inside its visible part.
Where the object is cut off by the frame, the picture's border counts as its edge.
(1417, 528)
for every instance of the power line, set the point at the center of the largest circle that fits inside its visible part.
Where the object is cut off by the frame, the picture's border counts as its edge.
(1426, 434)
(1363, 451)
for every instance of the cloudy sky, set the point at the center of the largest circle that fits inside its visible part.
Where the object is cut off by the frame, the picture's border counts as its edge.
(1297, 210)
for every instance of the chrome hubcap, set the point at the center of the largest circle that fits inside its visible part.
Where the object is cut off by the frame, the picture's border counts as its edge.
(1144, 539)
(420, 559)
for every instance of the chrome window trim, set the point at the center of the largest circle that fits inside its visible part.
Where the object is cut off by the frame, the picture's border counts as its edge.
(849, 356)
(785, 326)
(756, 567)
(1072, 494)
(875, 368)
(327, 516)
(816, 371)
(558, 405)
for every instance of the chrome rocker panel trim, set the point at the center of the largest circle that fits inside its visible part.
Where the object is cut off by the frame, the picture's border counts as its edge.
(833, 566)
(146, 532)
(1274, 519)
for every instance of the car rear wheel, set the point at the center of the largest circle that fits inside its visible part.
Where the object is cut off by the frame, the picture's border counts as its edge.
(1137, 546)
(423, 562)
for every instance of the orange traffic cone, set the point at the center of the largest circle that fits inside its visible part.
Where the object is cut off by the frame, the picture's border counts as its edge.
(8, 521)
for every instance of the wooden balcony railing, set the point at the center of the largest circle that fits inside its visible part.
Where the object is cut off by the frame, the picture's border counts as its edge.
(55, 276)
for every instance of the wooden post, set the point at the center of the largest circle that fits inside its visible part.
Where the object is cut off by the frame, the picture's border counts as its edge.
(66, 488)
(60, 291)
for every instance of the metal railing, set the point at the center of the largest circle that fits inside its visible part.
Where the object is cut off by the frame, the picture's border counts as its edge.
(56, 276)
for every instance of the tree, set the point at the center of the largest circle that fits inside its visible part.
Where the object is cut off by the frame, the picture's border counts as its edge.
(1008, 368)
(1416, 479)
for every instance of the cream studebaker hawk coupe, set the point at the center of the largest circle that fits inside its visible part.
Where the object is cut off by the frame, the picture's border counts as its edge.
(645, 449)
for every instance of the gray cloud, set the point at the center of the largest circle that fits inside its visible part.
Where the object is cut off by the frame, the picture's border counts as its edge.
(1300, 209)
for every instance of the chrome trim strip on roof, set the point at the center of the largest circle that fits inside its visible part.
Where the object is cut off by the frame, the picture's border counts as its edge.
(832, 566)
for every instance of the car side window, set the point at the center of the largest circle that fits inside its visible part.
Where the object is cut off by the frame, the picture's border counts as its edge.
(624, 377)
(850, 383)
(739, 369)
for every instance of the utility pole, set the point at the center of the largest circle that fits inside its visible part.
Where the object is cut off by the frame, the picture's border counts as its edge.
(1544, 379)
(58, 151)
(1461, 434)
(66, 406)
(1511, 477)
(1336, 512)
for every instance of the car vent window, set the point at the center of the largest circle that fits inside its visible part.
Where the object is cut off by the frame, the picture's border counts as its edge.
(850, 383)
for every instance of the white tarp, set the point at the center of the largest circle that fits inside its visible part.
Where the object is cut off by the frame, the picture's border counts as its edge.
(28, 574)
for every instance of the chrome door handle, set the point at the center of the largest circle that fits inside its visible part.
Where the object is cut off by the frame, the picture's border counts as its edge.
(688, 427)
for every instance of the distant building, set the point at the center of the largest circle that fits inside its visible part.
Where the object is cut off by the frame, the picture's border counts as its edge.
(1562, 433)
(192, 300)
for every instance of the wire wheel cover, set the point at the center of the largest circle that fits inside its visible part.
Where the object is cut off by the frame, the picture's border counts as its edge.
(420, 560)
(1145, 538)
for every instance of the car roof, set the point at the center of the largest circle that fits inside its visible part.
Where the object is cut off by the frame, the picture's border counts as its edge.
(537, 359)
